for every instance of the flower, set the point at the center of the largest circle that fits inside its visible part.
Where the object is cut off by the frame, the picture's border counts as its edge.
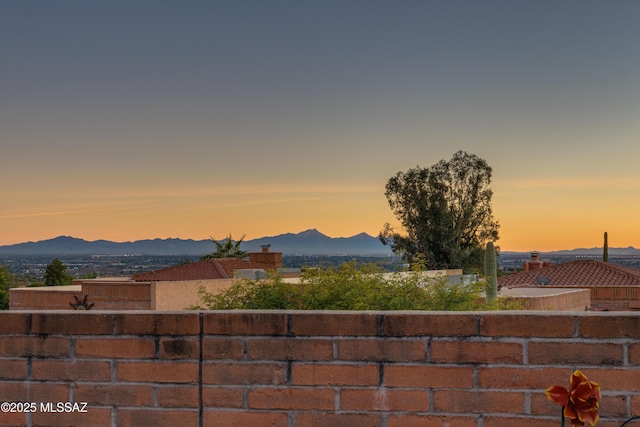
(580, 403)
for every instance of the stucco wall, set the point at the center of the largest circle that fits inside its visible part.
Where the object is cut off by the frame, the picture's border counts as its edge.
(178, 295)
(290, 369)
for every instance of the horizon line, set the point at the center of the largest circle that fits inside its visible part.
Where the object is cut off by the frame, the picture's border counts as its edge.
(296, 233)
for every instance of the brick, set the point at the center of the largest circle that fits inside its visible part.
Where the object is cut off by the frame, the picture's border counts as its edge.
(15, 323)
(480, 402)
(13, 369)
(178, 397)
(72, 323)
(291, 398)
(114, 394)
(613, 406)
(244, 418)
(410, 420)
(618, 379)
(541, 405)
(525, 377)
(430, 324)
(543, 325)
(239, 322)
(222, 397)
(320, 419)
(33, 392)
(578, 353)
(422, 376)
(635, 404)
(475, 352)
(334, 374)
(222, 348)
(158, 371)
(157, 323)
(13, 419)
(634, 354)
(619, 325)
(34, 346)
(156, 417)
(71, 370)
(388, 350)
(323, 323)
(244, 373)
(179, 348)
(526, 420)
(384, 399)
(614, 423)
(290, 349)
(610, 405)
(115, 348)
(93, 417)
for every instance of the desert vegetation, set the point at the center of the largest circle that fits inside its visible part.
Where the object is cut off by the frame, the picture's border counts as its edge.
(350, 287)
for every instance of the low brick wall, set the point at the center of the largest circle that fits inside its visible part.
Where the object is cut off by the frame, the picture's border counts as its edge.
(54, 298)
(107, 295)
(277, 368)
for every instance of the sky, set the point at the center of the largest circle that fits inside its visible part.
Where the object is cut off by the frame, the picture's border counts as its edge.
(127, 120)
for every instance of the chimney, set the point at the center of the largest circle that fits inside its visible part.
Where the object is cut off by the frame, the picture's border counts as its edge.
(274, 259)
(534, 263)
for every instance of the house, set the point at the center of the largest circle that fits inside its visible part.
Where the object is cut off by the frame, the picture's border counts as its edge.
(611, 286)
(213, 268)
(171, 288)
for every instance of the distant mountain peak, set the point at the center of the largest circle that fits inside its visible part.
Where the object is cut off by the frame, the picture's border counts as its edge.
(363, 234)
(312, 232)
(65, 238)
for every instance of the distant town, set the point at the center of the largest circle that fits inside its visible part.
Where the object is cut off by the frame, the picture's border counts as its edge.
(31, 268)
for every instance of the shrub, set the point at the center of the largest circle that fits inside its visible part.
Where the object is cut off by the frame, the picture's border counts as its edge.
(348, 287)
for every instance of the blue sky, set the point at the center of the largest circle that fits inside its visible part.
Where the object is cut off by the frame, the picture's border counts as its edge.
(127, 120)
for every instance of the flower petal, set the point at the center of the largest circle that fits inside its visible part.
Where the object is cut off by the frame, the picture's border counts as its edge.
(576, 378)
(570, 412)
(590, 417)
(558, 395)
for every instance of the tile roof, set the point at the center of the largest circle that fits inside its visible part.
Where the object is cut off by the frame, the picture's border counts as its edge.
(588, 273)
(212, 268)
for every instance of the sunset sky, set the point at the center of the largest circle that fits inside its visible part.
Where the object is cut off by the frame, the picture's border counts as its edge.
(127, 120)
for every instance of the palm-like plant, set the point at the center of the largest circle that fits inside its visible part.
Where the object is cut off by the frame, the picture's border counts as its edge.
(227, 248)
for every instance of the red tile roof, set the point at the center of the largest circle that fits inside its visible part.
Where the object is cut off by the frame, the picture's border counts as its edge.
(588, 273)
(213, 268)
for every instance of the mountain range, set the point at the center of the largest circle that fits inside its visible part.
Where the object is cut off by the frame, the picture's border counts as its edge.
(309, 242)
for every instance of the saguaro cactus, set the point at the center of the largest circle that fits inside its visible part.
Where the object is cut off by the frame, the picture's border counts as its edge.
(491, 273)
(605, 249)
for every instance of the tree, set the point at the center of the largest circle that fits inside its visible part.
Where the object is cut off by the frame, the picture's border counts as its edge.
(56, 274)
(7, 280)
(227, 248)
(445, 210)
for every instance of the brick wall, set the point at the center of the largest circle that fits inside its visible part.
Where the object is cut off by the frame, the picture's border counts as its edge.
(289, 369)
(105, 295)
